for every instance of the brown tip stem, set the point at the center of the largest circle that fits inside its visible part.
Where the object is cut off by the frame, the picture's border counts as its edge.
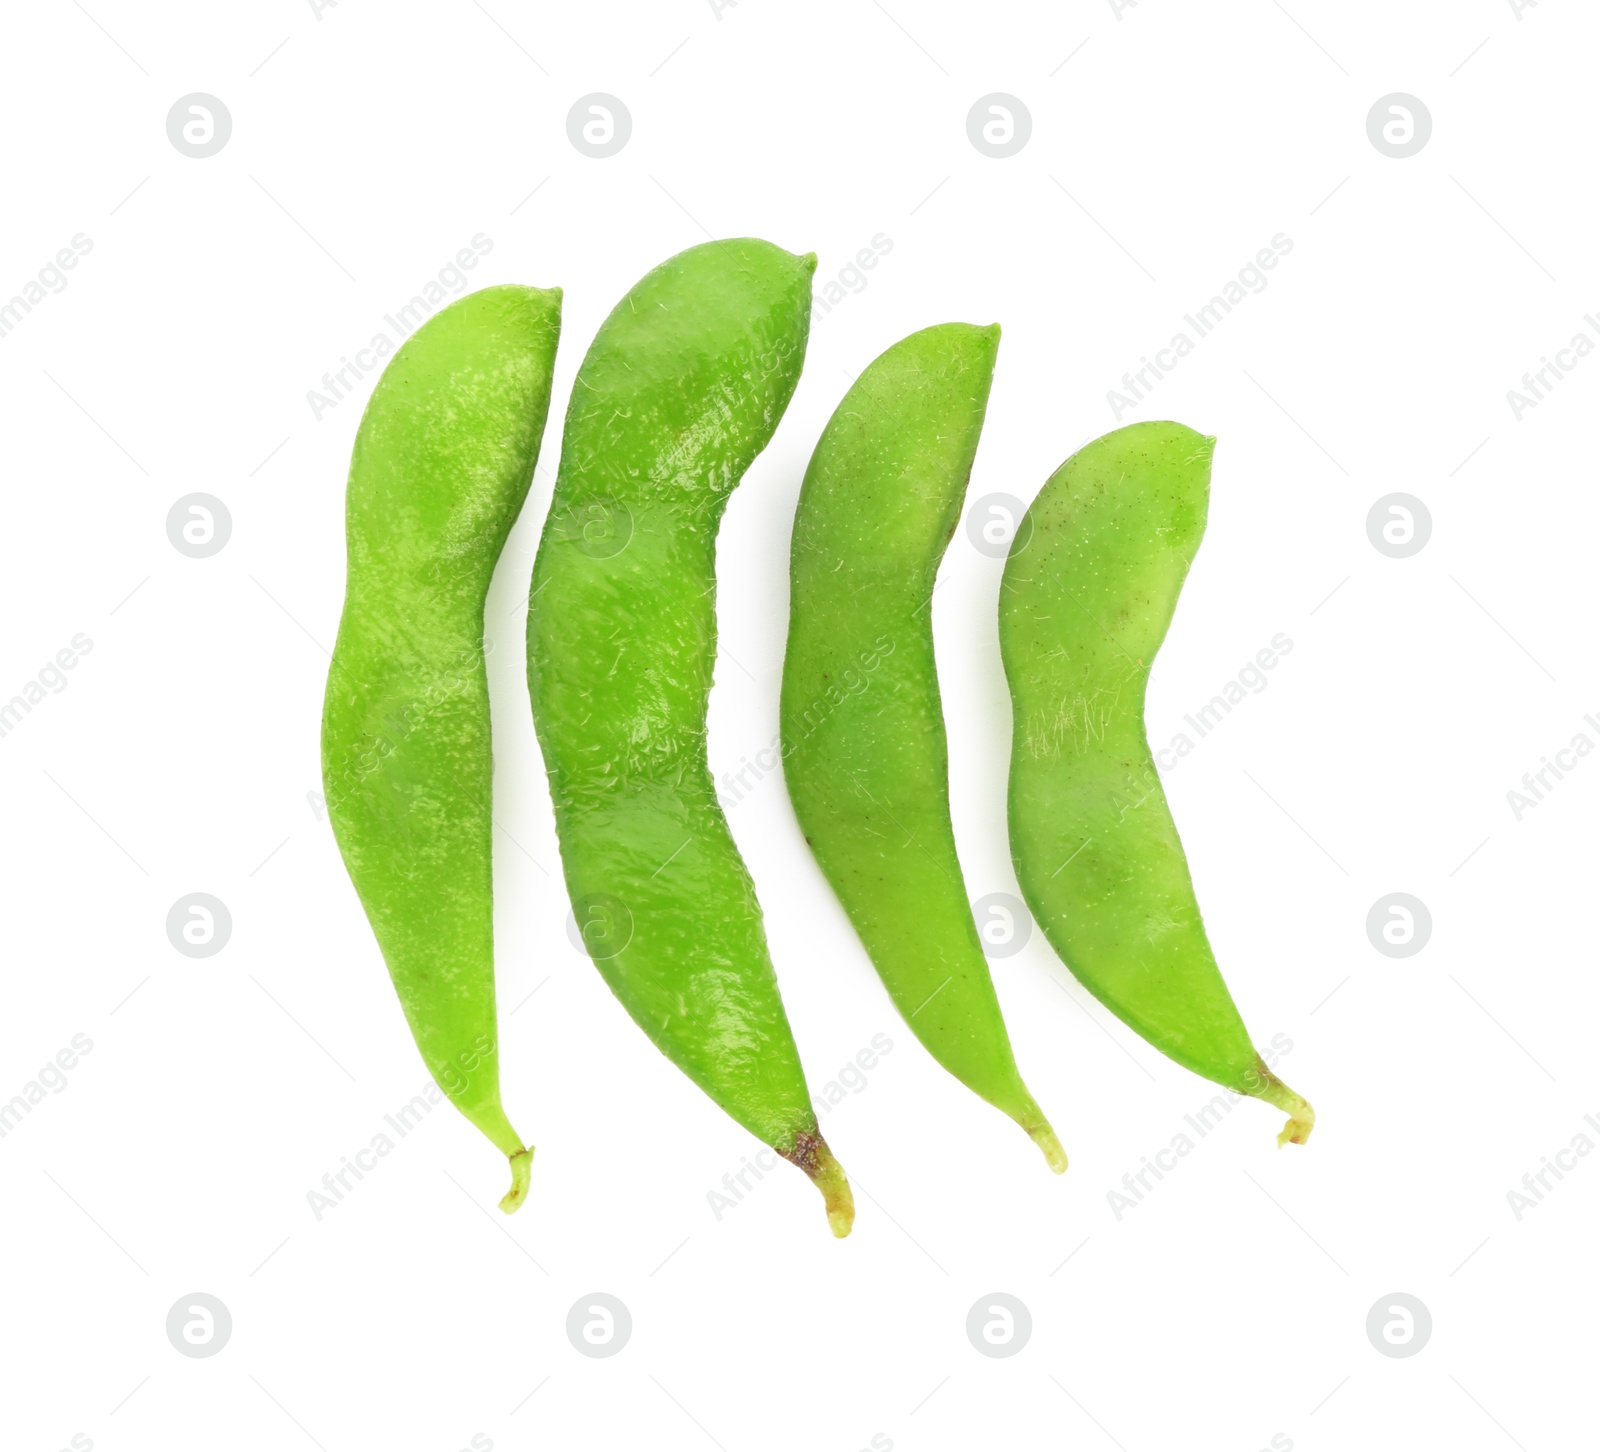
(521, 1175)
(1302, 1117)
(811, 1153)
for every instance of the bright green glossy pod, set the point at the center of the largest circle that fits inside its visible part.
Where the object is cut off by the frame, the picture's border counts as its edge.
(682, 387)
(1088, 593)
(864, 751)
(441, 466)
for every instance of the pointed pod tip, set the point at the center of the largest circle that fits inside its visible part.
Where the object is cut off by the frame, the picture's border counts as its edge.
(810, 1153)
(1268, 1087)
(1298, 1129)
(1054, 1156)
(521, 1177)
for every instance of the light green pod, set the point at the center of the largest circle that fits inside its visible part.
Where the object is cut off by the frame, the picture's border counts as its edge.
(1088, 593)
(441, 466)
(864, 749)
(682, 387)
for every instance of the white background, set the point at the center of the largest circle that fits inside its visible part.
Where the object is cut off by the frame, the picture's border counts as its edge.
(369, 144)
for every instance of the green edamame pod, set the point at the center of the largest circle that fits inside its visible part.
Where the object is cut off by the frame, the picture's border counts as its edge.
(441, 466)
(682, 387)
(1088, 592)
(864, 749)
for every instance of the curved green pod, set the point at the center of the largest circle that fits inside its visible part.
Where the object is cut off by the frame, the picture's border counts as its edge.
(864, 748)
(1088, 593)
(441, 466)
(682, 387)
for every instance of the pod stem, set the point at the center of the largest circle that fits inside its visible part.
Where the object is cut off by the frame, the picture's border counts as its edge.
(810, 1153)
(1274, 1091)
(1045, 1137)
(521, 1175)
(1025, 1110)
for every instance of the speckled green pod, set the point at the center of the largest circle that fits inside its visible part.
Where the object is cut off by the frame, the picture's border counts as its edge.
(1088, 593)
(441, 466)
(864, 751)
(682, 387)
